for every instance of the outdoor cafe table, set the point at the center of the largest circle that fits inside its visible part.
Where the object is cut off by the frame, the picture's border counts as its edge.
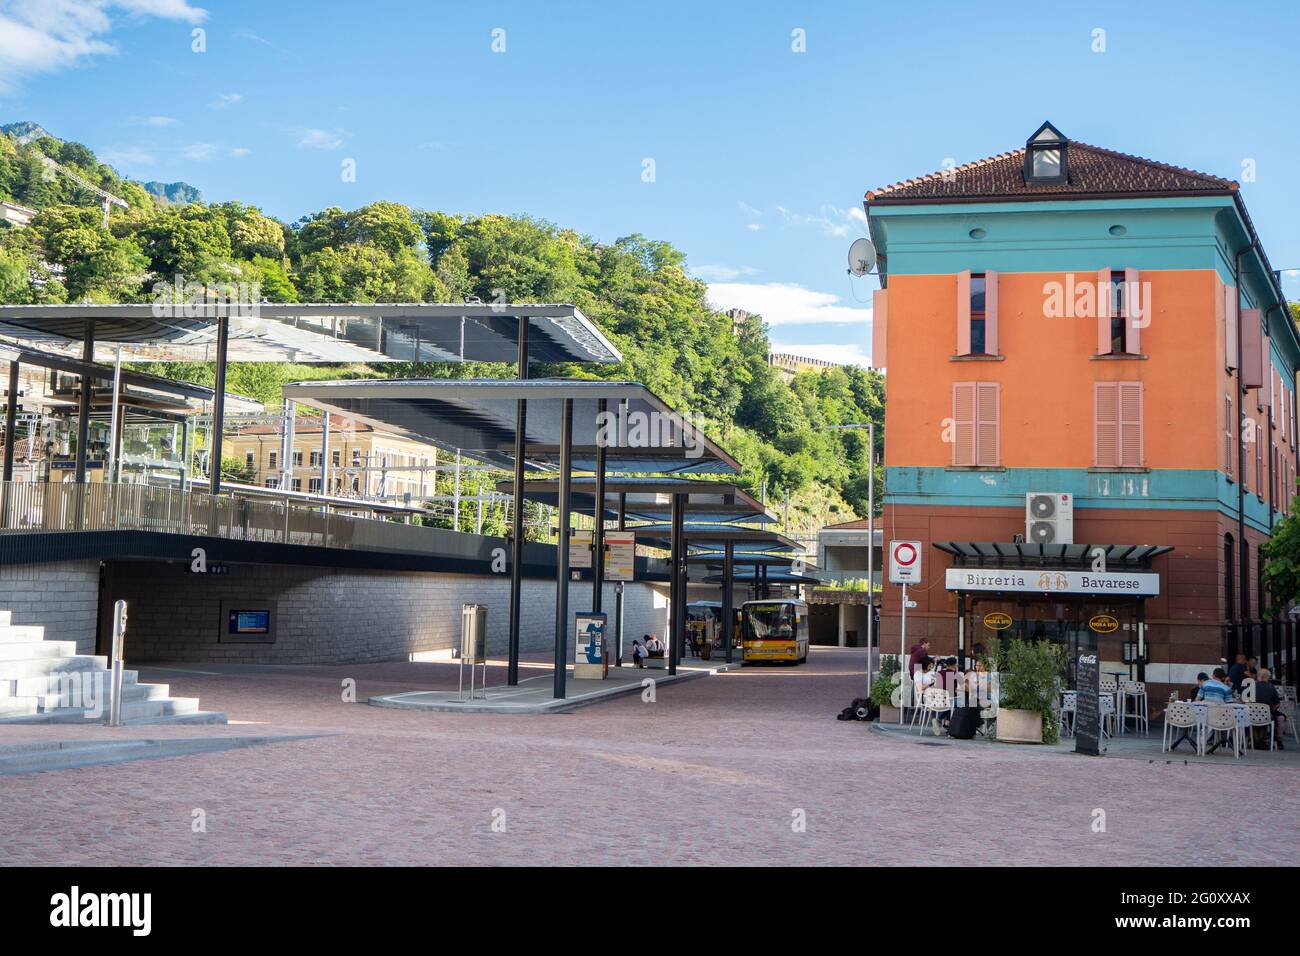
(1241, 711)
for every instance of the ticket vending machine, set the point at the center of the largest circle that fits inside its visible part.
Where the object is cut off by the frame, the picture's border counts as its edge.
(589, 659)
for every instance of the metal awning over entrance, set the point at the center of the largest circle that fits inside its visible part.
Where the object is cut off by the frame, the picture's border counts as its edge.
(999, 553)
(316, 332)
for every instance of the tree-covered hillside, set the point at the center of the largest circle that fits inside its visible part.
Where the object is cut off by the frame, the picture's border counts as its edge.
(636, 289)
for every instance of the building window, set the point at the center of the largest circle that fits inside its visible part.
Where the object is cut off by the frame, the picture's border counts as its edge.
(1047, 156)
(297, 459)
(271, 459)
(1117, 424)
(248, 460)
(356, 458)
(1229, 446)
(297, 484)
(976, 439)
(1229, 579)
(1118, 313)
(272, 482)
(315, 459)
(336, 458)
(314, 486)
(977, 314)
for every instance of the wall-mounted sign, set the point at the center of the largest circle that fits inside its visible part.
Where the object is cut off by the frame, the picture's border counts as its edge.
(620, 556)
(997, 620)
(580, 549)
(247, 622)
(904, 562)
(1049, 581)
(1104, 624)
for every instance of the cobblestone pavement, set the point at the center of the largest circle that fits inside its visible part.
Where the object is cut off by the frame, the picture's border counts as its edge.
(718, 770)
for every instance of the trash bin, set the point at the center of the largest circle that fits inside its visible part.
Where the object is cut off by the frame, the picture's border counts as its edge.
(473, 633)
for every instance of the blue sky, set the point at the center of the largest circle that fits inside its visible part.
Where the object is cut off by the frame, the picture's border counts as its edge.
(760, 154)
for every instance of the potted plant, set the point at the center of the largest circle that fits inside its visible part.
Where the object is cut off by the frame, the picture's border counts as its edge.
(1029, 679)
(884, 690)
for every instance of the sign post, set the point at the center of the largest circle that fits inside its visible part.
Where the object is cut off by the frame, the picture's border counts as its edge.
(904, 569)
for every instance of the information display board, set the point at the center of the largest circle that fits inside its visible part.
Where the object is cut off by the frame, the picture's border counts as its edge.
(620, 556)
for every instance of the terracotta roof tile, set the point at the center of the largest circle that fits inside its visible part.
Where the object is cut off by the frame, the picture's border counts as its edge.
(1093, 171)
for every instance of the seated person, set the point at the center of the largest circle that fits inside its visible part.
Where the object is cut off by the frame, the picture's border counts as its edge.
(654, 647)
(922, 678)
(638, 652)
(1215, 690)
(1266, 693)
(947, 675)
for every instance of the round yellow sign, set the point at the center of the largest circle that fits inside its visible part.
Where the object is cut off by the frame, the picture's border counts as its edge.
(1104, 624)
(997, 620)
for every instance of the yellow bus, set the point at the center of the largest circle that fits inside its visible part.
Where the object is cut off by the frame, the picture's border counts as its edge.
(775, 629)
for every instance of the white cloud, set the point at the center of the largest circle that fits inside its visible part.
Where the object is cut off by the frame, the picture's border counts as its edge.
(841, 353)
(200, 152)
(754, 226)
(42, 36)
(830, 219)
(225, 101)
(126, 156)
(239, 152)
(309, 138)
(154, 121)
(722, 273)
(781, 303)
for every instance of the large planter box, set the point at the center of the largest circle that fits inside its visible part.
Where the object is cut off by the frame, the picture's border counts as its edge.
(1019, 726)
(888, 715)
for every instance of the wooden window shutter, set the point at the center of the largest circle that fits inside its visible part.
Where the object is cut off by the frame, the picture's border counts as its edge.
(1260, 435)
(1103, 312)
(963, 313)
(1265, 363)
(1130, 424)
(991, 314)
(988, 436)
(1251, 337)
(1229, 446)
(879, 318)
(1230, 326)
(963, 418)
(1105, 453)
(1137, 309)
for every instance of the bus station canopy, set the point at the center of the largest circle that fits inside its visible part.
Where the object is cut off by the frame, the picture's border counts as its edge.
(713, 535)
(1030, 554)
(315, 332)
(477, 417)
(773, 575)
(650, 499)
(748, 554)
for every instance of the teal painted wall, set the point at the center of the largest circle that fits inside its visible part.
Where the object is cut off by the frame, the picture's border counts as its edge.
(1179, 489)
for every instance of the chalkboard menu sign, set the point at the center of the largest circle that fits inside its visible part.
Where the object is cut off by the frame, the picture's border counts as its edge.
(1087, 716)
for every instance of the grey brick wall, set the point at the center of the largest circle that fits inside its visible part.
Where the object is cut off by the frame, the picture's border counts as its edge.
(329, 616)
(64, 597)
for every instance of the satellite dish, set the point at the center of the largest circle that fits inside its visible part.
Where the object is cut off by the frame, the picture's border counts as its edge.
(862, 257)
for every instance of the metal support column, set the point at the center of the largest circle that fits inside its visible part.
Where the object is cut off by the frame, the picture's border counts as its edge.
(83, 406)
(218, 406)
(676, 588)
(618, 595)
(562, 554)
(598, 534)
(11, 439)
(517, 518)
(325, 455)
(1142, 639)
(112, 467)
(728, 596)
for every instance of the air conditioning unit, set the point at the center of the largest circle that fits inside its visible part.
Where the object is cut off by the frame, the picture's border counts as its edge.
(1049, 518)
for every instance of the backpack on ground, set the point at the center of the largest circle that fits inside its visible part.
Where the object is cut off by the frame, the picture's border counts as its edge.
(862, 708)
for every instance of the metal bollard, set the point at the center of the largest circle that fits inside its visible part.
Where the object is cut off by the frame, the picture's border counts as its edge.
(115, 663)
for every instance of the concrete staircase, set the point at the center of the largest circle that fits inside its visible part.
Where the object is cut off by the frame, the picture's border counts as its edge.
(49, 682)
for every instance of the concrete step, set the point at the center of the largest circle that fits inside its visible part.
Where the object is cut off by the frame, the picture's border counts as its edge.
(6, 617)
(21, 632)
(35, 667)
(34, 650)
(51, 698)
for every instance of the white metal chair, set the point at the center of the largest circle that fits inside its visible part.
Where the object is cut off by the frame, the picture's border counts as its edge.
(1222, 720)
(1261, 715)
(1106, 714)
(1288, 708)
(915, 701)
(1180, 715)
(1133, 704)
(935, 702)
(1069, 708)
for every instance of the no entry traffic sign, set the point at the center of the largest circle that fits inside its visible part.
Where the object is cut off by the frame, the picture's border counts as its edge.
(904, 562)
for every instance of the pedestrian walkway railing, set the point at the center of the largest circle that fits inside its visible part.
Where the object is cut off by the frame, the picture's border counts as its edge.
(27, 507)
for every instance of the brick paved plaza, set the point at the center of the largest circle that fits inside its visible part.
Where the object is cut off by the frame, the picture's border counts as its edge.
(713, 772)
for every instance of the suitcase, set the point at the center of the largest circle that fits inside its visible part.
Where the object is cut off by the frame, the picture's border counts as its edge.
(964, 722)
